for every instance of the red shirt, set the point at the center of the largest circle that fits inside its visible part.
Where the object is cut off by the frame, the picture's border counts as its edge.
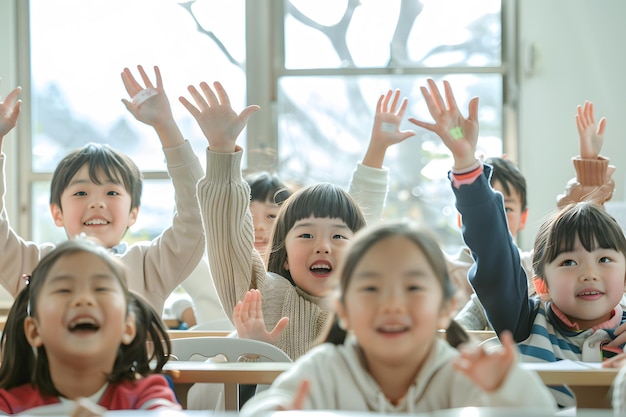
(147, 393)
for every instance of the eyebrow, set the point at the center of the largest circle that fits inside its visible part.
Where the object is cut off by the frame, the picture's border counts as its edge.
(68, 277)
(412, 273)
(108, 181)
(336, 225)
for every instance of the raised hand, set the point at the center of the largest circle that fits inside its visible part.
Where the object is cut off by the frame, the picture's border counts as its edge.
(149, 104)
(591, 139)
(249, 322)
(488, 369)
(216, 117)
(9, 112)
(458, 133)
(386, 130)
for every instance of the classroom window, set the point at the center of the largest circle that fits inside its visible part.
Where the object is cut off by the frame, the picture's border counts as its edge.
(339, 57)
(316, 68)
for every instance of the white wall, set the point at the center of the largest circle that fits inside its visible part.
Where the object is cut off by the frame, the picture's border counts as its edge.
(580, 48)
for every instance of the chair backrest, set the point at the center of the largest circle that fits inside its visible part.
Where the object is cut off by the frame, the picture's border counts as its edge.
(217, 324)
(491, 343)
(232, 348)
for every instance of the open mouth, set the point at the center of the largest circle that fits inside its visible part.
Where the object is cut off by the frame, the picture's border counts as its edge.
(590, 294)
(321, 269)
(96, 222)
(84, 325)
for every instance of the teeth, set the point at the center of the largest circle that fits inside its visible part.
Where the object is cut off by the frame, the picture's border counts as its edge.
(324, 266)
(393, 328)
(590, 293)
(96, 221)
(83, 321)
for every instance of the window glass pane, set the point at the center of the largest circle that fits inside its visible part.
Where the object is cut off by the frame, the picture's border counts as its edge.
(363, 34)
(325, 125)
(79, 48)
(155, 214)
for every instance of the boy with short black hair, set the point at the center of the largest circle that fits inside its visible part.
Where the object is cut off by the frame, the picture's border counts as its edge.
(96, 190)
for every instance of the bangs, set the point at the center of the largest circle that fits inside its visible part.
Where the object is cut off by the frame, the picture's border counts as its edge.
(104, 167)
(592, 225)
(326, 200)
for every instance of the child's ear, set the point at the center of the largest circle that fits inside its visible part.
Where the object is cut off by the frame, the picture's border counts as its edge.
(31, 330)
(57, 215)
(132, 217)
(130, 330)
(541, 286)
(522, 221)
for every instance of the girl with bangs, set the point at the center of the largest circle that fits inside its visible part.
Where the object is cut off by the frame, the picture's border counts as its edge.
(579, 259)
(311, 232)
(383, 352)
(76, 339)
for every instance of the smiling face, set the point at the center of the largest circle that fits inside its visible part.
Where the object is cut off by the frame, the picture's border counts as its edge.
(81, 312)
(99, 210)
(314, 247)
(394, 304)
(263, 216)
(586, 285)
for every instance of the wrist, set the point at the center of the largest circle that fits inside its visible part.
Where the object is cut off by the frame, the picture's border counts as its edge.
(169, 134)
(468, 164)
(375, 156)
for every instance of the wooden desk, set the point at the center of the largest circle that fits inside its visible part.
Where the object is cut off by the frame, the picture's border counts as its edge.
(175, 334)
(592, 386)
(186, 373)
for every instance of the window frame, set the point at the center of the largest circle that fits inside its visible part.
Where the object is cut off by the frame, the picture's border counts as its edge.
(266, 59)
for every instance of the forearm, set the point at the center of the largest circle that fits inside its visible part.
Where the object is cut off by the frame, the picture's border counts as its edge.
(497, 275)
(176, 252)
(169, 134)
(224, 199)
(369, 187)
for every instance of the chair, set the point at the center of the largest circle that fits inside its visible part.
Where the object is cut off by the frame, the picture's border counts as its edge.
(233, 350)
(217, 324)
(491, 343)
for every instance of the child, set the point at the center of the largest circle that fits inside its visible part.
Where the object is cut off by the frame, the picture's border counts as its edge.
(508, 180)
(394, 296)
(579, 258)
(96, 190)
(76, 332)
(311, 231)
(592, 182)
(267, 192)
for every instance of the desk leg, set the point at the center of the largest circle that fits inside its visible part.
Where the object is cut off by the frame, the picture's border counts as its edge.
(592, 396)
(181, 391)
(231, 397)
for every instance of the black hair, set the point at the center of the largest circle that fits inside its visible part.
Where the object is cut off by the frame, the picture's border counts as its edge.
(363, 242)
(587, 221)
(509, 175)
(322, 200)
(267, 187)
(105, 164)
(21, 364)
